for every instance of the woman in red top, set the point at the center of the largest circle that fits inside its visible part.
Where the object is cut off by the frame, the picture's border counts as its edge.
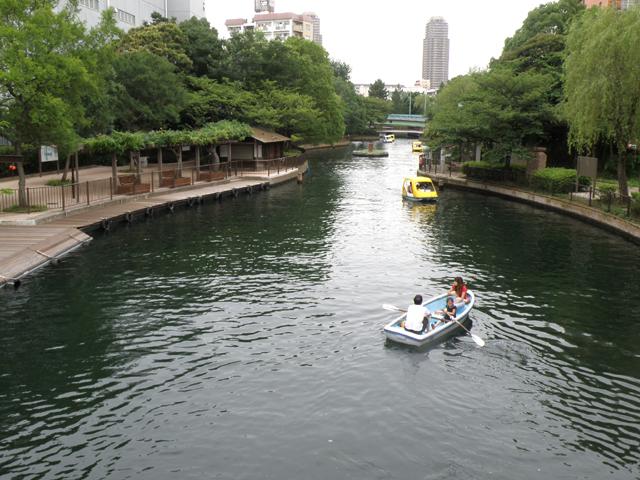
(459, 289)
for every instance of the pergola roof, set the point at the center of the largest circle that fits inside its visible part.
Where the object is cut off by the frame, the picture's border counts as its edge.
(266, 136)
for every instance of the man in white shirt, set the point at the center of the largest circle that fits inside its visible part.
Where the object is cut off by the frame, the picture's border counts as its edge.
(417, 320)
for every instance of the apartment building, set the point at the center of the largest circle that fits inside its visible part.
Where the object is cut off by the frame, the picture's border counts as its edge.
(619, 4)
(279, 26)
(133, 13)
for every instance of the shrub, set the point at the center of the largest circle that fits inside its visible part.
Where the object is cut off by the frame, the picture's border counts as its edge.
(635, 204)
(554, 180)
(490, 171)
(31, 209)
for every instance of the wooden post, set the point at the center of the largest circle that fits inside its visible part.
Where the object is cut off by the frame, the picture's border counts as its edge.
(88, 202)
(76, 168)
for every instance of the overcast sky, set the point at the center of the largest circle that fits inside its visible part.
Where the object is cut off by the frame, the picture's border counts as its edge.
(384, 39)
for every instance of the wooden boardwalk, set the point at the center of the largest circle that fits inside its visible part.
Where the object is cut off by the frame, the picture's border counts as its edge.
(24, 249)
(27, 248)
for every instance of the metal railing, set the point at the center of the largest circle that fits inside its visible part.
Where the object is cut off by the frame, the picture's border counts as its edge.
(73, 195)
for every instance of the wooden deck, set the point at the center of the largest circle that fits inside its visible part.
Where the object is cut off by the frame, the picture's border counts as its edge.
(24, 249)
(27, 248)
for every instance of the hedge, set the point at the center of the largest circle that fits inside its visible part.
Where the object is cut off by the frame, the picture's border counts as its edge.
(557, 180)
(484, 171)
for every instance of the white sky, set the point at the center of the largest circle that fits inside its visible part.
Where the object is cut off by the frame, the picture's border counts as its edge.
(384, 39)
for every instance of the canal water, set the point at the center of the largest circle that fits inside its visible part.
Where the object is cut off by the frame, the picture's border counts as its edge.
(243, 340)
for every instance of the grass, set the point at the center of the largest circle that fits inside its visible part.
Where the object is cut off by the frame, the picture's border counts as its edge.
(632, 181)
(19, 209)
(58, 183)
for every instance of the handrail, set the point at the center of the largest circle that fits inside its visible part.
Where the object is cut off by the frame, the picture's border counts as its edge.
(85, 193)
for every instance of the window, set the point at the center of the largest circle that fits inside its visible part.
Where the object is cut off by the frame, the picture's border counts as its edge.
(93, 4)
(125, 17)
(282, 25)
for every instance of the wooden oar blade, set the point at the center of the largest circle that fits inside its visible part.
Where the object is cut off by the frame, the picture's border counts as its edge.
(478, 340)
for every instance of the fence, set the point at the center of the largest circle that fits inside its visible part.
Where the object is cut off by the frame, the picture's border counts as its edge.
(609, 201)
(85, 193)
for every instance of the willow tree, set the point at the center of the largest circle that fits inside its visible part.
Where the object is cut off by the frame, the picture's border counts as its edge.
(602, 91)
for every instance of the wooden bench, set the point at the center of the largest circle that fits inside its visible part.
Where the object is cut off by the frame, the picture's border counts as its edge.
(170, 179)
(211, 176)
(129, 184)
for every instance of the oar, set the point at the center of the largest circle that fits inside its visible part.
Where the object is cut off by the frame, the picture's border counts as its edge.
(478, 340)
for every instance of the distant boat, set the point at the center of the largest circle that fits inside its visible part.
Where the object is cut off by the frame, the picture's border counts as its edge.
(388, 138)
(419, 189)
(417, 147)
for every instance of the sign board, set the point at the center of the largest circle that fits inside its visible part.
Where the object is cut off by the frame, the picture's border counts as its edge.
(48, 153)
(588, 167)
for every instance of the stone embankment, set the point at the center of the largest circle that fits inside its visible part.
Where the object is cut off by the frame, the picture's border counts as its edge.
(597, 217)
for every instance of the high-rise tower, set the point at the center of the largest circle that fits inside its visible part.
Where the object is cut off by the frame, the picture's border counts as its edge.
(435, 54)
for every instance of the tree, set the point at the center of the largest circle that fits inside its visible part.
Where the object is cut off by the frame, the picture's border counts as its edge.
(152, 94)
(502, 110)
(378, 90)
(202, 46)
(602, 92)
(164, 39)
(44, 76)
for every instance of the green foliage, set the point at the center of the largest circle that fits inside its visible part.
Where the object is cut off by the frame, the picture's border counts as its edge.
(123, 142)
(497, 108)
(58, 183)
(151, 95)
(554, 180)
(42, 86)
(378, 90)
(24, 209)
(488, 171)
(202, 46)
(602, 92)
(163, 39)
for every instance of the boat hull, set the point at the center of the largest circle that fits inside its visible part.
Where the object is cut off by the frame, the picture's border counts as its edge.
(394, 332)
(420, 200)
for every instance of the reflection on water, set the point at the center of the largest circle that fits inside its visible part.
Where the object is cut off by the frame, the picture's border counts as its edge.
(243, 340)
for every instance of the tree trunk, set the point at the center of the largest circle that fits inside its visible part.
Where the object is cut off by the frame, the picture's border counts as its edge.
(22, 179)
(623, 186)
(160, 159)
(114, 169)
(197, 158)
(67, 163)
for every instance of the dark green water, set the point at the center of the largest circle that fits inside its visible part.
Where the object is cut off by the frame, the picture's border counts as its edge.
(243, 340)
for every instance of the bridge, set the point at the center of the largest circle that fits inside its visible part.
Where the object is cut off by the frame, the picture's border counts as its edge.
(403, 125)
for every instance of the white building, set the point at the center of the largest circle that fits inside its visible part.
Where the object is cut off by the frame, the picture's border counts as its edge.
(279, 26)
(133, 13)
(419, 87)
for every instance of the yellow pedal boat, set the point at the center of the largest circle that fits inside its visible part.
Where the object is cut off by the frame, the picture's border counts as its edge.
(417, 147)
(419, 189)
